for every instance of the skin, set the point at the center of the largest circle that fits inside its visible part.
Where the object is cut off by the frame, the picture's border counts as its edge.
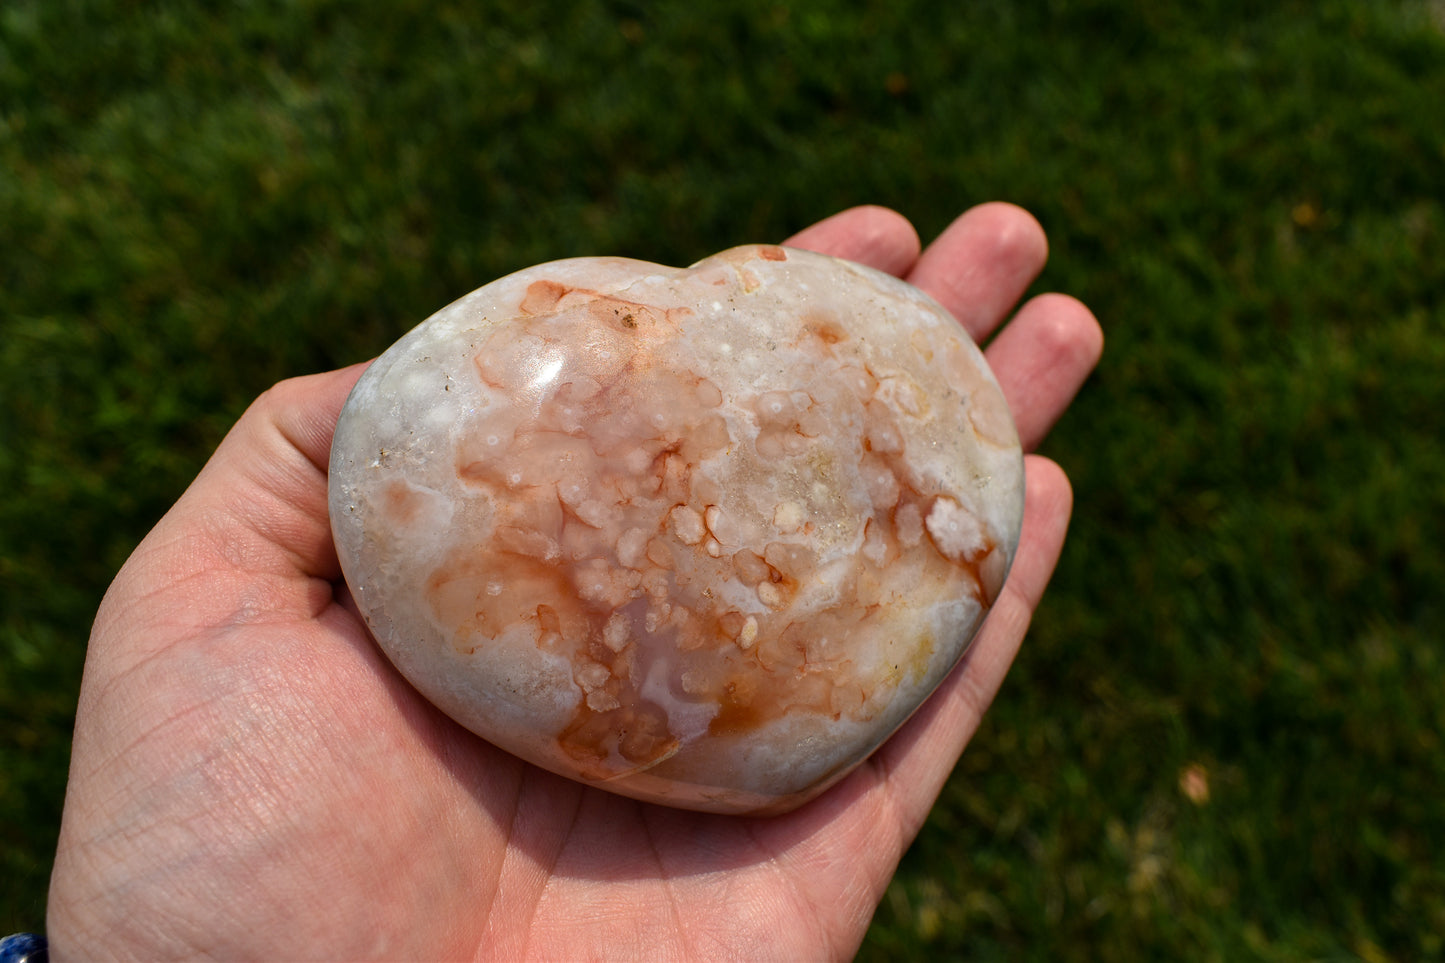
(251, 778)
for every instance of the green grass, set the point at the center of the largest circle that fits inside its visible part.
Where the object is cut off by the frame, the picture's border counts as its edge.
(197, 199)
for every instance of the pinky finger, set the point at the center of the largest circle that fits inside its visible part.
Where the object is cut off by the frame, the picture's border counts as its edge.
(920, 756)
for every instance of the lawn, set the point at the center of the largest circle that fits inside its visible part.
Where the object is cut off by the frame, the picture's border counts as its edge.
(1223, 738)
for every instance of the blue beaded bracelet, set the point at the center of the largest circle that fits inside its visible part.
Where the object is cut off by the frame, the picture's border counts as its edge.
(24, 948)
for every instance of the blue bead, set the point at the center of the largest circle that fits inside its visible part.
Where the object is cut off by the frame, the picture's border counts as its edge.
(24, 948)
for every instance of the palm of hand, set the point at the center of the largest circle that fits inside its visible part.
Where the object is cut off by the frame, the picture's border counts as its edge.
(251, 777)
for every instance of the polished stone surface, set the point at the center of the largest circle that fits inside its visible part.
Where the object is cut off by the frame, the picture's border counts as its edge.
(704, 537)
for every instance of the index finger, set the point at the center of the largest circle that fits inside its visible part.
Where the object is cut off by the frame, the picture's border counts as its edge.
(871, 235)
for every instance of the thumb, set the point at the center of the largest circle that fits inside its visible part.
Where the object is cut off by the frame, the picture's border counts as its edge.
(252, 532)
(267, 480)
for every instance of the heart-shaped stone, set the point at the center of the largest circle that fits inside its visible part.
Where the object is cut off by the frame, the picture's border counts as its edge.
(703, 537)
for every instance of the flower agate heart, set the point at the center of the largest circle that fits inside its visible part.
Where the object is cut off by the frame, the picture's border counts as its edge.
(703, 537)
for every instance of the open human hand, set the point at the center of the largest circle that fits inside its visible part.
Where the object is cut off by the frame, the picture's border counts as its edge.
(251, 778)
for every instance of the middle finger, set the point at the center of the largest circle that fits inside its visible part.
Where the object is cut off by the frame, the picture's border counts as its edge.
(981, 265)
